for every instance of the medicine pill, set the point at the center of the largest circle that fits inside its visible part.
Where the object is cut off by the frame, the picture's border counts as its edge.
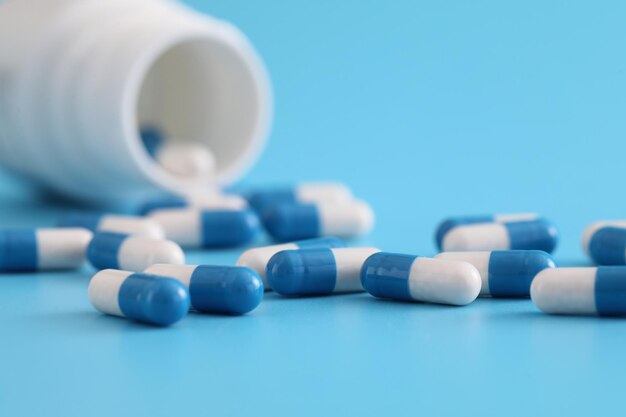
(195, 228)
(412, 278)
(285, 222)
(99, 222)
(131, 253)
(594, 227)
(590, 291)
(507, 273)
(312, 192)
(452, 222)
(257, 258)
(317, 271)
(185, 159)
(608, 246)
(143, 297)
(216, 289)
(537, 234)
(209, 201)
(43, 249)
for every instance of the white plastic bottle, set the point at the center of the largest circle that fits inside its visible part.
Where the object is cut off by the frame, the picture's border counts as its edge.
(79, 78)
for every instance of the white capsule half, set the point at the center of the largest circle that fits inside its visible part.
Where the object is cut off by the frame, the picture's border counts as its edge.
(186, 159)
(407, 277)
(565, 291)
(62, 248)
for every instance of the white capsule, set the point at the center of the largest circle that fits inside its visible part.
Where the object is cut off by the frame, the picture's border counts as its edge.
(186, 159)
(594, 227)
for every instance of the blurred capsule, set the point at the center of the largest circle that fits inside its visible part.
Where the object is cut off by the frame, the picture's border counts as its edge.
(286, 222)
(99, 222)
(195, 228)
(312, 192)
(131, 253)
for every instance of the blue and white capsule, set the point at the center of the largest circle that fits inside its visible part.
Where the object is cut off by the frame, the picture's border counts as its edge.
(231, 290)
(590, 231)
(539, 234)
(131, 253)
(195, 228)
(257, 258)
(207, 201)
(585, 291)
(100, 222)
(312, 192)
(452, 222)
(504, 273)
(285, 222)
(43, 249)
(608, 246)
(413, 278)
(317, 271)
(148, 298)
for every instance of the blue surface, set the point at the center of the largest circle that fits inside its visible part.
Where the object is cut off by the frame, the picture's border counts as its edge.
(427, 110)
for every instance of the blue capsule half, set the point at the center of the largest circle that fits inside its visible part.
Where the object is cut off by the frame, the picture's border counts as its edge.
(148, 298)
(317, 271)
(504, 273)
(217, 289)
(608, 246)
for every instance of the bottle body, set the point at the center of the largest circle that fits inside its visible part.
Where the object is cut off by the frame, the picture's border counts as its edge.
(80, 78)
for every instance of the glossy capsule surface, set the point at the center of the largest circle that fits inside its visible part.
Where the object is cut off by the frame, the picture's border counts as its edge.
(539, 234)
(257, 258)
(587, 291)
(137, 296)
(216, 289)
(507, 273)
(413, 278)
(131, 253)
(317, 271)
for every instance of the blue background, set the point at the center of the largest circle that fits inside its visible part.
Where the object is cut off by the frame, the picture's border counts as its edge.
(426, 110)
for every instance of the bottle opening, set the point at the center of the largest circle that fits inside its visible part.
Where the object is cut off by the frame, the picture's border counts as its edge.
(209, 97)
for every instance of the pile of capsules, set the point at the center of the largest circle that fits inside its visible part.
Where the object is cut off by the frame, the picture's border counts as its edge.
(143, 276)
